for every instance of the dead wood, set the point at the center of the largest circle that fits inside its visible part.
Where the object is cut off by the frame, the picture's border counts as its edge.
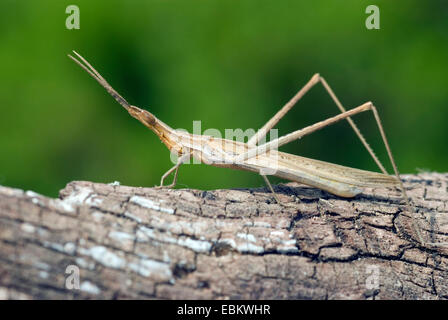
(133, 242)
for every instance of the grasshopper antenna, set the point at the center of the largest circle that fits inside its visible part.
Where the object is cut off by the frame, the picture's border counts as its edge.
(95, 74)
(163, 131)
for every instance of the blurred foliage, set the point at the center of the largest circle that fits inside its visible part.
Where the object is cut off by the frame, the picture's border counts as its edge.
(229, 63)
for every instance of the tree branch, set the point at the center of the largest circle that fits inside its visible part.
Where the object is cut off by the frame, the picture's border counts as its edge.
(189, 244)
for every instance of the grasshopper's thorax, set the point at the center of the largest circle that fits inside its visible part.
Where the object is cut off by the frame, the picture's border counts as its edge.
(208, 149)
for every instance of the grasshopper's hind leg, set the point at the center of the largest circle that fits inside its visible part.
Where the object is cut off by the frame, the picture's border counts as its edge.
(346, 115)
(253, 141)
(270, 187)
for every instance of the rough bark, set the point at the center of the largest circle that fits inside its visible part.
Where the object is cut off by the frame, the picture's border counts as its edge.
(189, 244)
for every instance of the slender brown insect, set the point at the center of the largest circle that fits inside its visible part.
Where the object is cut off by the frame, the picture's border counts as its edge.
(264, 159)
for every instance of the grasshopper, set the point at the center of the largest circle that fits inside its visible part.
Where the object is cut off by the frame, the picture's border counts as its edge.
(264, 159)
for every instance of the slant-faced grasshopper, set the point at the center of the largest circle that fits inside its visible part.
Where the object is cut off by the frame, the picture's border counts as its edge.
(265, 159)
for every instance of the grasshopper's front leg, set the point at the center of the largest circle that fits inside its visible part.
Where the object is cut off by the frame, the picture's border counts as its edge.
(181, 160)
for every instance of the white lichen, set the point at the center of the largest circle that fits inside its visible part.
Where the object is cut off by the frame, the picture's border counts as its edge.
(70, 248)
(132, 217)
(104, 256)
(249, 248)
(62, 205)
(121, 236)
(26, 227)
(84, 264)
(35, 197)
(246, 236)
(89, 287)
(147, 203)
(148, 267)
(195, 245)
(285, 249)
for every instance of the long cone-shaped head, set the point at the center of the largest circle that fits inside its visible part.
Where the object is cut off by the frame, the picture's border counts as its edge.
(143, 116)
(163, 131)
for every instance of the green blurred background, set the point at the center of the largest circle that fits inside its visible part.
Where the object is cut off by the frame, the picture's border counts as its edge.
(231, 64)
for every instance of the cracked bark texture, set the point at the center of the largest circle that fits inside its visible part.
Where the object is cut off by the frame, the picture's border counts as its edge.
(140, 243)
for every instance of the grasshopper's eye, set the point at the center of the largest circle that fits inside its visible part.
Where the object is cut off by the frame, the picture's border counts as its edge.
(148, 117)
